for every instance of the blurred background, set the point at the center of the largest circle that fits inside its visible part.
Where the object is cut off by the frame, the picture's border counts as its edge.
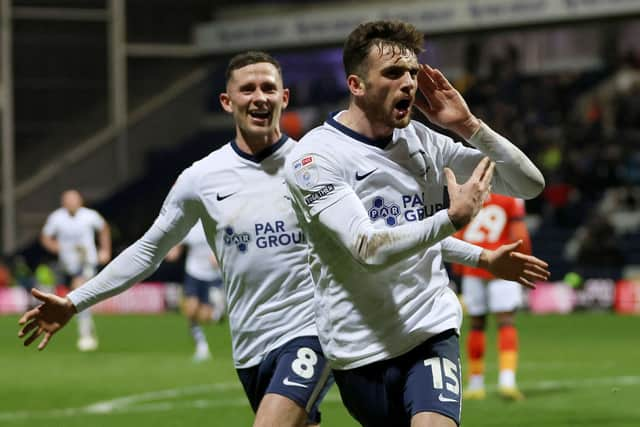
(115, 98)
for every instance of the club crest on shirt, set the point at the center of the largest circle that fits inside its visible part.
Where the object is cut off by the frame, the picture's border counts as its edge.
(306, 172)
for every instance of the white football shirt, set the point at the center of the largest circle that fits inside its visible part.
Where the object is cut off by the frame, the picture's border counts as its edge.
(244, 206)
(374, 214)
(76, 237)
(198, 261)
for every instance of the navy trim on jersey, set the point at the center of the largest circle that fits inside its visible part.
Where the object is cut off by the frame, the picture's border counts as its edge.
(261, 155)
(380, 143)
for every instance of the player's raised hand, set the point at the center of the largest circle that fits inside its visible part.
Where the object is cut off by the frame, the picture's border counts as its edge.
(467, 199)
(442, 104)
(48, 318)
(506, 263)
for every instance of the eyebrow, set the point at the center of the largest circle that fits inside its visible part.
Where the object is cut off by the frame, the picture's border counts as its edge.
(398, 67)
(253, 84)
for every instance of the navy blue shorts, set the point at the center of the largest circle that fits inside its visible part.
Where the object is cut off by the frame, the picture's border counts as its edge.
(297, 370)
(197, 288)
(391, 392)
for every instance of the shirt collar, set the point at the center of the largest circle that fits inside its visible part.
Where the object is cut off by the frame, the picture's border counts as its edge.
(380, 143)
(257, 158)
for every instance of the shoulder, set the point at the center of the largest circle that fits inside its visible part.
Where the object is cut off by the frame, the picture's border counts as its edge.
(427, 135)
(323, 140)
(215, 161)
(501, 199)
(201, 170)
(321, 136)
(89, 214)
(56, 215)
(191, 180)
(87, 211)
(515, 206)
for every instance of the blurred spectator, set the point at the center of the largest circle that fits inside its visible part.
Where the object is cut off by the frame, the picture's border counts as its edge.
(598, 245)
(5, 275)
(620, 205)
(607, 94)
(559, 197)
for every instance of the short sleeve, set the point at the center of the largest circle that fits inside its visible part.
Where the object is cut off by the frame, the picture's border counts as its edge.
(50, 226)
(97, 221)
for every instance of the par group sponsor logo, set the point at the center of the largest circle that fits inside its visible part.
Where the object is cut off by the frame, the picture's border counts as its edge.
(268, 234)
(240, 240)
(388, 212)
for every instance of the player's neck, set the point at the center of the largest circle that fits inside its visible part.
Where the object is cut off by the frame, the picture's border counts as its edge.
(253, 145)
(357, 120)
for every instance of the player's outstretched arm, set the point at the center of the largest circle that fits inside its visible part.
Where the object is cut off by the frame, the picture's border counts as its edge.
(48, 318)
(508, 264)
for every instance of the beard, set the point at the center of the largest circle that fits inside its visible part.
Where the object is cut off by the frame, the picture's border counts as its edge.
(381, 112)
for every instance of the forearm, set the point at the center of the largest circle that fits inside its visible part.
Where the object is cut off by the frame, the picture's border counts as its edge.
(372, 246)
(104, 239)
(461, 252)
(132, 265)
(177, 216)
(517, 172)
(483, 260)
(50, 244)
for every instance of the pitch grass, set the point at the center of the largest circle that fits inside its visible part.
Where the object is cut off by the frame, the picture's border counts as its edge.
(577, 370)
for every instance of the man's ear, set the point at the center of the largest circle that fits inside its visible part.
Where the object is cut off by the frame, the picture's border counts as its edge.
(225, 102)
(356, 85)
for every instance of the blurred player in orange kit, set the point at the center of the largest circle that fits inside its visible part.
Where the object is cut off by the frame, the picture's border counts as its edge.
(499, 222)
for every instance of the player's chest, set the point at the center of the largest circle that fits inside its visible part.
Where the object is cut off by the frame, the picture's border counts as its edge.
(394, 192)
(72, 228)
(256, 206)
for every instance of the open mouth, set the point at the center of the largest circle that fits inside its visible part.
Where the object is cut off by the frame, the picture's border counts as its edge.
(402, 107)
(260, 115)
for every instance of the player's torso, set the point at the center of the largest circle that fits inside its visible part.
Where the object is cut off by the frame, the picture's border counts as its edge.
(75, 235)
(387, 182)
(255, 227)
(376, 310)
(489, 229)
(261, 249)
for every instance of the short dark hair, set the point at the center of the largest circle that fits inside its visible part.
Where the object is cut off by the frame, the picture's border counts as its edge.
(397, 34)
(250, 57)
